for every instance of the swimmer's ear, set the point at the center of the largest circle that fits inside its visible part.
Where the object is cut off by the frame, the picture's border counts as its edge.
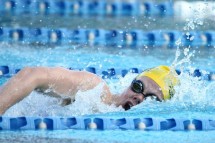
(66, 101)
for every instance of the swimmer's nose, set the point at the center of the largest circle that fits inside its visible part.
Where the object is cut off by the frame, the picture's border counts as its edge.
(137, 99)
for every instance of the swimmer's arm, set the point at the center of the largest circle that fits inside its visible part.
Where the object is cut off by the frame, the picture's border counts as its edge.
(59, 80)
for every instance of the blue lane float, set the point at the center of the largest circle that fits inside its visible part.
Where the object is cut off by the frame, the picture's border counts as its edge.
(105, 123)
(122, 38)
(4, 70)
(113, 73)
(86, 7)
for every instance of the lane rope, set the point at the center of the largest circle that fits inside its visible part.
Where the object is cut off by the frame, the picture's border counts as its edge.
(105, 123)
(86, 7)
(178, 9)
(124, 38)
(112, 73)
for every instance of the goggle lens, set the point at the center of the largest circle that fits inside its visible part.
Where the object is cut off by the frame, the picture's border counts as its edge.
(137, 86)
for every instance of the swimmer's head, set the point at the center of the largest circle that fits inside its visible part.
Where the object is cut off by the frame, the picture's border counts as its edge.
(165, 77)
(156, 83)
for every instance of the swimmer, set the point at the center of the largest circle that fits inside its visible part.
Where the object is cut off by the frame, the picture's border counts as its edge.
(62, 83)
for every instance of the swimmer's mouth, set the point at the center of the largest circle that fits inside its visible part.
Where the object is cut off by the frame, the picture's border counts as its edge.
(128, 105)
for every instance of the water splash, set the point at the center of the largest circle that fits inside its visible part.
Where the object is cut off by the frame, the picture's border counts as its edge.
(88, 102)
(191, 89)
(185, 58)
(192, 92)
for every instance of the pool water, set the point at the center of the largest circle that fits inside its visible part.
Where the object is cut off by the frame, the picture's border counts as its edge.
(189, 102)
(107, 136)
(194, 98)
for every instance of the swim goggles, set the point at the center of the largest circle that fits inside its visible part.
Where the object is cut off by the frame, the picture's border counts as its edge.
(137, 86)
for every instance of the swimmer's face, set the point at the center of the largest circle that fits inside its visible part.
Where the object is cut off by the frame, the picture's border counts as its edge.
(130, 98)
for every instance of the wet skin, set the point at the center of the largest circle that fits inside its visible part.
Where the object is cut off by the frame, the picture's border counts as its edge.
(129, 98)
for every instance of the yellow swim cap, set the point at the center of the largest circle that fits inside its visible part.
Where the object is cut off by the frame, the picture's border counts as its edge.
(165, 77)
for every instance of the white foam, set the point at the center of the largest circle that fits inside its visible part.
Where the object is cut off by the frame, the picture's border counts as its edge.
(198, 9)
(88, 102)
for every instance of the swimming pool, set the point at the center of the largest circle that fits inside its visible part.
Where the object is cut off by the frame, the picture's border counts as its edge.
(186, 104)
